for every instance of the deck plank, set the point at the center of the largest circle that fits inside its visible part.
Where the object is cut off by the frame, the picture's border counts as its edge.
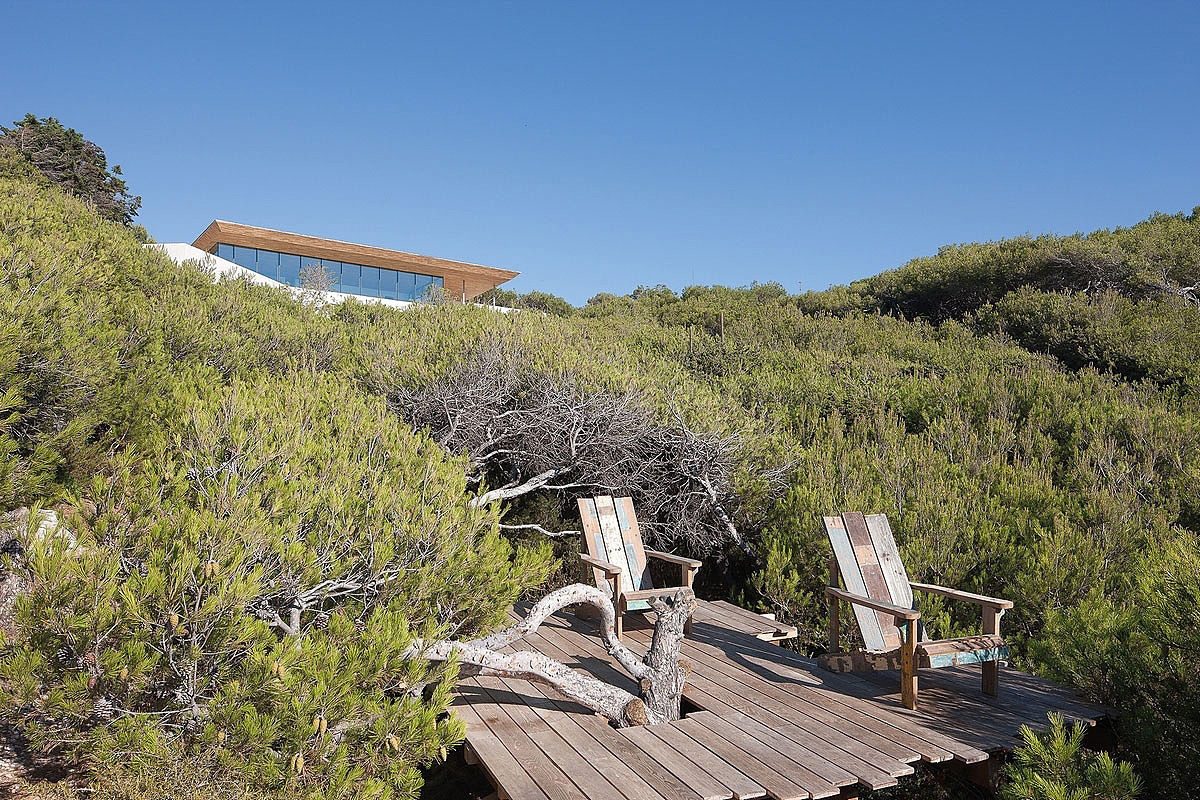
(884, 737)
(742, 786)
(664, 782)
(550, 779)
(779, 786)
(504, 770)
(772, 724)
(766, 752)
(883, 696)
(614, 770)
(703, 783)
(570, 762)
(838, 689)
(739, 619)
(819, 757)
(868, 742)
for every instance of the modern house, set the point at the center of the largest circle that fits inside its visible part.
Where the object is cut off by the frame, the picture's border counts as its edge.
(343, 269)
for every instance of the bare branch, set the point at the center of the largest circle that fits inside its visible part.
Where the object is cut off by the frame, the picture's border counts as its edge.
(525, 431)
(539, 529)
(660, 673)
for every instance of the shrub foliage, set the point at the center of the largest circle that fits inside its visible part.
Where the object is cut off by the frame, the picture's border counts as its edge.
(1025, 412)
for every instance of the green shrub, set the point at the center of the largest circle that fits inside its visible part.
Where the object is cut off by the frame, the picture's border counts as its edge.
(71, 296)
(1064, 481)
(1153, 256)
(1055, 766)
(532, 301)
(1157, 338)
(245, 588)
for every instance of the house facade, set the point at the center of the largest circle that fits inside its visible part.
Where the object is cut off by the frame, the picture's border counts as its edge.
(341, 268)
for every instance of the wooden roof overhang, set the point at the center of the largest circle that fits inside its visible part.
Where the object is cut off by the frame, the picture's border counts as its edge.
(453, 272)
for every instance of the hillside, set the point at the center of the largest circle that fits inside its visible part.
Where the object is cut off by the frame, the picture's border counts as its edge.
(1026, 412)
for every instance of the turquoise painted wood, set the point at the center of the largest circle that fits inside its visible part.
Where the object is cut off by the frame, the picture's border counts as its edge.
(969, 657)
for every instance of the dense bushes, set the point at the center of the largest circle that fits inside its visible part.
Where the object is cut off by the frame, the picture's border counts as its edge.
(287, 505)
(254, 540)
(69, 300)
(1157, 338)
(1037, 437)
(1158, 255)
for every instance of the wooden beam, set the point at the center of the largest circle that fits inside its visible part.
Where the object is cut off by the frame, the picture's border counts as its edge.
(908, 665)
(991, 668)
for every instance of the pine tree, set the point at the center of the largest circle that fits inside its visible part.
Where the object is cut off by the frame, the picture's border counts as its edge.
(1055, 766)
(241, 589)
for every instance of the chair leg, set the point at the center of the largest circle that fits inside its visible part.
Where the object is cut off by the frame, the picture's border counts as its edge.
(991, 678)
(835, 625)
(908, 665)
(689, 575)
(618, 628)
(991, 669)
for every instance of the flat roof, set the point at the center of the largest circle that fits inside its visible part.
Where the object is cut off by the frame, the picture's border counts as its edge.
(223, 232)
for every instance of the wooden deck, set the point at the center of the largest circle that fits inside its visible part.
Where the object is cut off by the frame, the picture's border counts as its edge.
(763, 722)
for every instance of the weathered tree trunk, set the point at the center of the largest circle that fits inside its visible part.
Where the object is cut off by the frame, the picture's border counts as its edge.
(660, 673)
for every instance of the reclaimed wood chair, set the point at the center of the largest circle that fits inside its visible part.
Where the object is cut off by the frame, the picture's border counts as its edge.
(613, 549)
(866, 560)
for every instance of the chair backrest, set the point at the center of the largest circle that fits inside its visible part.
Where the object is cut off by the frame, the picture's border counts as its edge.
(870, 565)
(610, 533)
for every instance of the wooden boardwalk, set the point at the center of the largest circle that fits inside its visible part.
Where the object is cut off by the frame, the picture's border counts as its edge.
(761, 721)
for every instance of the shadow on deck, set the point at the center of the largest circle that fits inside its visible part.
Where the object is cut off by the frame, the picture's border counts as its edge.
(763, 721)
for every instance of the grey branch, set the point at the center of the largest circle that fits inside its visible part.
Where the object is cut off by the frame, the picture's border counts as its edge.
(660, 673)
(539, 529)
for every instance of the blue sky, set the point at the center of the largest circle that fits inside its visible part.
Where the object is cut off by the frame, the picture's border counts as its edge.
(598, 146)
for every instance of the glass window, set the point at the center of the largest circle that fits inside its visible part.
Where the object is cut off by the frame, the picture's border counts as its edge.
(406, 286)
(351, 276)
(246, 257)
(347, 278)
(289, 269)
(424, 286)
(370, 281)
(388, 283)
(313, 265)
(268, 263)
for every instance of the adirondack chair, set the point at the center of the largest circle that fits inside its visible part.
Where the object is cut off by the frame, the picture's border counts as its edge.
(879, 591)
(613, 549)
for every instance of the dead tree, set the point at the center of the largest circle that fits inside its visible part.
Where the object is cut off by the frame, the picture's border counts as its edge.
(528, 431)
(661, 673)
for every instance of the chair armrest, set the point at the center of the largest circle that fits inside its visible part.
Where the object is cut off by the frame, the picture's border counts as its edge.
(955, 594)
(610, 570)
(887, 608)
(674, 559)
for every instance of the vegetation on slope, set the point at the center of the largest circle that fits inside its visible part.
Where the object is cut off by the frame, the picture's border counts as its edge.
(1037, 438)
(216, 474)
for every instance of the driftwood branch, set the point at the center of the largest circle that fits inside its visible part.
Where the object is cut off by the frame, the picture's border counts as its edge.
(660, 673)
(539, 529)
(509, 492)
